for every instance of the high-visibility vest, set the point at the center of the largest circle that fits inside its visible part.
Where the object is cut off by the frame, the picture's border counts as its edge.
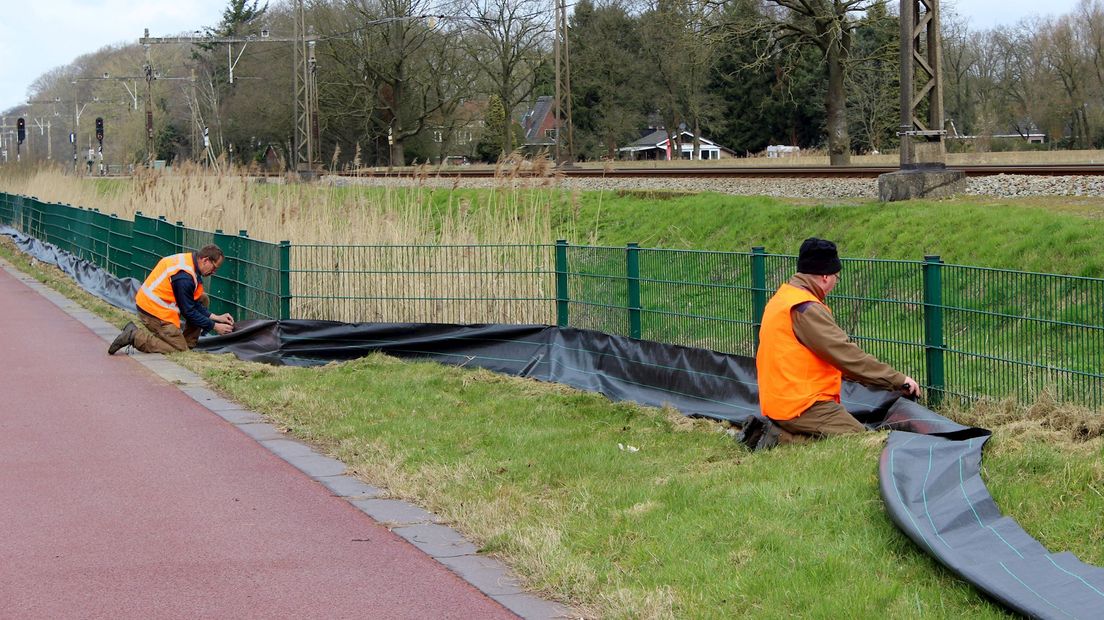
(156, 294)
(791, 377)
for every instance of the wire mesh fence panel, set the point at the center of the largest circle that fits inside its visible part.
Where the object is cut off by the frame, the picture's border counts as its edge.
(258, 279)
(34, 217)
(1017, 334)
(698, 299)
(965, 332)
(154, 238)
(100, 233)
(7, 209)
(598, 289)
(879, 303)
(54, 226)
(119, 241)
(419, 283)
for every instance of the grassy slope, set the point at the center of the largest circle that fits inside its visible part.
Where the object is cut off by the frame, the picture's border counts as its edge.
(691, 525)
(1052, 235)
(1048, 235)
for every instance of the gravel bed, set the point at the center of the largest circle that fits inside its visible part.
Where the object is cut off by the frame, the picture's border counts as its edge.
(1004, 186)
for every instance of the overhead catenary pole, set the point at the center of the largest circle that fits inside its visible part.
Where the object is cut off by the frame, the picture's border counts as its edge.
(563, 150)
(305, 96)
(921, 85)
(44, 129)
(193, 106)
(150, 155)
(923, 172)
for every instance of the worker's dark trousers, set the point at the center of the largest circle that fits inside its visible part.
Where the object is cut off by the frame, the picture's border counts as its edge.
(822, 419)
(163, 337)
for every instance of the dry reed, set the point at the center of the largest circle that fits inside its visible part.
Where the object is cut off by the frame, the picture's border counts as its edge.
(359, 254)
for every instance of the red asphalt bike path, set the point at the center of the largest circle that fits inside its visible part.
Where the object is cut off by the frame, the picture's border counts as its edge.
(122, 497)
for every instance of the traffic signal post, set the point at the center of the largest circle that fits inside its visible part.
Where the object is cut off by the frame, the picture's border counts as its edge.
(20, 136)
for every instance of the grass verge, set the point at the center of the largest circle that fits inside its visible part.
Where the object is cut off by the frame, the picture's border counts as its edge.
(690, 524)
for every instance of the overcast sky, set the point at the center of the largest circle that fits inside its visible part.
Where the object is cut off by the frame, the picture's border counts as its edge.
(39, 35)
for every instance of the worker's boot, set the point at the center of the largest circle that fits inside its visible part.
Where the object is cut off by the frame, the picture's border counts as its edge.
(759, 434)
(125, 338)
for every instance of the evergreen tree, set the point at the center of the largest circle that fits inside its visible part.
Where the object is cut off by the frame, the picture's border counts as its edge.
(490, 144)
(608, 103)
(775, 102)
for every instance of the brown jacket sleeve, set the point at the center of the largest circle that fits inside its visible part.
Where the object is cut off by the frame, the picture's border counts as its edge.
(816, 329)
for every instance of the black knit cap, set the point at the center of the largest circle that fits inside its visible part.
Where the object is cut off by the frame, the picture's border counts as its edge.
(818, 257)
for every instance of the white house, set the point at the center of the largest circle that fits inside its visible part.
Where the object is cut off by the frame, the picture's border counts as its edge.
(656, 145)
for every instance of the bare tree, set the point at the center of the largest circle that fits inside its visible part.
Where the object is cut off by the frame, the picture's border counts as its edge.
(508, 41)
(682, 37)
(829, 25)
(395, 65)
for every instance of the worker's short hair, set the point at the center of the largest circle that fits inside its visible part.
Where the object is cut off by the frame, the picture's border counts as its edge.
(212, 252)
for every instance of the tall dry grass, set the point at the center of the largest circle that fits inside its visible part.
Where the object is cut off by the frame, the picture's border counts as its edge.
(353, 257)
(516, 210)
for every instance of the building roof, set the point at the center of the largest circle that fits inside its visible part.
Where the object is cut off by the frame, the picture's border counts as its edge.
(658, 140)
(534, 119)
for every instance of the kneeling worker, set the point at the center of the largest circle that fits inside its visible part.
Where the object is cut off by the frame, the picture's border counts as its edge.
(173, 306)
(803, 354)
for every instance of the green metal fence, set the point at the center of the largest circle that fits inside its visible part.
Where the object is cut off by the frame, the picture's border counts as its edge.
(248, 285)
(965, 332)
(423, 283)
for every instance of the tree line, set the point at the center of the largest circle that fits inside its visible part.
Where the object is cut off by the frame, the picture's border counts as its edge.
(405, 81)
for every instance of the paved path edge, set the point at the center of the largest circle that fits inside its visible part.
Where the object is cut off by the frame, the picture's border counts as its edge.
(420, 528)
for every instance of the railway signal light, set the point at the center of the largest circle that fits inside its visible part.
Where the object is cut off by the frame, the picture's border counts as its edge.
(99, 129)
(21, 129)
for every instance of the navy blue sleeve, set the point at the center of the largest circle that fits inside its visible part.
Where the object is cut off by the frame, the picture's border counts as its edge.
(193, 312)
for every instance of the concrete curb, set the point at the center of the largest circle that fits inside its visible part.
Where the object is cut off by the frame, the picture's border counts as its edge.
(420, 528)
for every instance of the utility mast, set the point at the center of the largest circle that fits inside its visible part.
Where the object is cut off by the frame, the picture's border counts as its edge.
(923, 170)
(306, 98)
(564, 152)
(921, 85)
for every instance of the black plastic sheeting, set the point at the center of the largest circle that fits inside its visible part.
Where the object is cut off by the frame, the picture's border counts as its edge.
(118, 292)
(933, 491)
(694, 381)
(929, 472)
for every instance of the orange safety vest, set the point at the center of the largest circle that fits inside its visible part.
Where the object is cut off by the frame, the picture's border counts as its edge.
(791, 377)
(156, 295)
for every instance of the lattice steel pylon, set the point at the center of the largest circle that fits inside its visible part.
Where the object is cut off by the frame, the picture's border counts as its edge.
(921, 85)
(306, 97)
(564, 151)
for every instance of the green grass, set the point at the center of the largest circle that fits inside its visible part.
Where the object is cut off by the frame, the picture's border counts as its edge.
(1050, 235)
(1044, 235)
(691, 525)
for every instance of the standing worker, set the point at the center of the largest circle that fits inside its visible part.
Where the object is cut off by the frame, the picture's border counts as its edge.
(804, 355)
(173, 306)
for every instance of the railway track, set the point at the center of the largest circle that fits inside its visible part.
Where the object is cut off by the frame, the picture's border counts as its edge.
(717, 172)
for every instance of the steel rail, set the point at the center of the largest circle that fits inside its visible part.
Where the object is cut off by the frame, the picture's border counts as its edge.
(717, 172)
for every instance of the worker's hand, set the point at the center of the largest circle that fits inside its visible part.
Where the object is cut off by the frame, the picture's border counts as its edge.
(223, 318)
(222, 329)
(911, 387)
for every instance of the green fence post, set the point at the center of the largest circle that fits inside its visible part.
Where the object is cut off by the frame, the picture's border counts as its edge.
(933, 328)
(285, 280)
(561, 283)
(178, 239)
(632, 270)
(243, 265)
(221, 287)
(758, 289)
